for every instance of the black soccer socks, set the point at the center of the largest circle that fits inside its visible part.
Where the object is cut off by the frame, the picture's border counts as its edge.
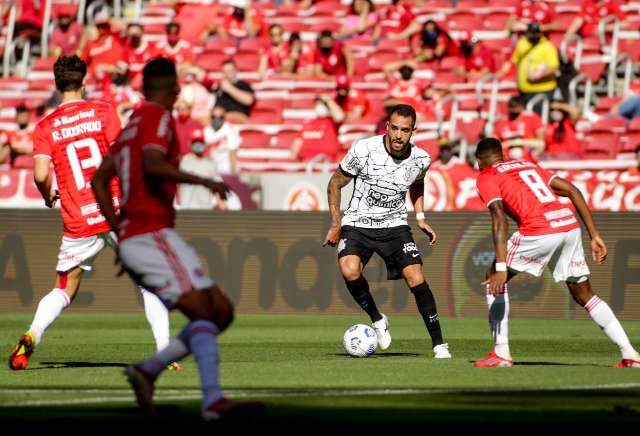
(427, 308)
(359, 290)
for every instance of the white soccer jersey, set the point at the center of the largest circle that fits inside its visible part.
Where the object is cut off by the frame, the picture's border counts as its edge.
(381, 183)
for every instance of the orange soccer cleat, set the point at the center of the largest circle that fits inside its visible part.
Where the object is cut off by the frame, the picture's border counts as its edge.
(492, 361)
(22, 352)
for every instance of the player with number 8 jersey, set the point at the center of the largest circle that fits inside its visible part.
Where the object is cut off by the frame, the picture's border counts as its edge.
(76, 137)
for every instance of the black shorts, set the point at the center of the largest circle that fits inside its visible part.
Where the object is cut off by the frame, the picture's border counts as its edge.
(395, 245)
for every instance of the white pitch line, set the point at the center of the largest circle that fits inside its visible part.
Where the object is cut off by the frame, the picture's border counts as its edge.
(184, 395)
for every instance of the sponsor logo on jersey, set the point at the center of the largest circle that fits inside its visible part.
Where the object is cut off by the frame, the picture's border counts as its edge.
(342, 244)
(385, 198)
(57, 122)
(503, 168)
(409, 247)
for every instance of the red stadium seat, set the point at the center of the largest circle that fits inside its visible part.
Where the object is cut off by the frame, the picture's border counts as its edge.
(629, 142)
(328, 8)
(378, 60)
(252, 45)
(254, 139)
(610, 124)
(471, 130)
(496, 20)
(450, 63)
(594, 71)
(393, 45)
(634, 125)
(606, 103)
(286, 138)
(463, 21)
(600, 145)
(631, 47)
(319, 26)
(220, 45)
(211, 61)
(247, 61)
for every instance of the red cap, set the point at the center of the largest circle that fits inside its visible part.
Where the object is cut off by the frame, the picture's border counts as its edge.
(343, 82)
(68, 10)
(197, 135)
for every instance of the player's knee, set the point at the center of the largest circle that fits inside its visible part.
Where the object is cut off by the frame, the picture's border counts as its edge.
(350, 271)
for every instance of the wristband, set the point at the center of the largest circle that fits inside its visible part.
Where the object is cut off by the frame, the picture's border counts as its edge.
(420, 216)
(501, 266)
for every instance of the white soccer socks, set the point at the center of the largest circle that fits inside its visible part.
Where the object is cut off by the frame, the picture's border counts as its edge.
(499, 322)
(49, 309)
(158, 318)
(602, 314)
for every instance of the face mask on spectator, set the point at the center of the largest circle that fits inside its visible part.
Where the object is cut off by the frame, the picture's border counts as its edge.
(406, 72)
(513, 115)
(173, 38)
(325, 50)
(430, 38)
(23, 126)
(321, 110)
(103, 28)
(216, 123)
(533, 38)
(135, 40)
(342, 95)
(466, 49)
(119, 79)
(516, 153)
(556, 116)
(238, 13)
(64, 23)
(198, 148)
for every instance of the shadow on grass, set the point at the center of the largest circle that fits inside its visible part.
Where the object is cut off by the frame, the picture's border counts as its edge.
(52, 365)
(377, 356)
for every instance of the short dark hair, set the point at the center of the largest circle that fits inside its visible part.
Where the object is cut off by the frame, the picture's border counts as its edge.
(69, 72)
(228, 61)
(157, 76)
(488, 146)
(326, 34)
(404, 110)
(21, 108)
(516, 100)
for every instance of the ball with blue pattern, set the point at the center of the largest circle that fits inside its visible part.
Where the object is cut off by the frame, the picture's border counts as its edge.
(360, 340)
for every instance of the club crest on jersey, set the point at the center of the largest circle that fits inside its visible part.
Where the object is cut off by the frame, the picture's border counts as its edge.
(411, 173)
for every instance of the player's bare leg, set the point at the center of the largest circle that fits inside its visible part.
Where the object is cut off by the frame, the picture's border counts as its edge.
(498, 306)
(426, 303)
(49, 309)
(601, 314)
(351, 268)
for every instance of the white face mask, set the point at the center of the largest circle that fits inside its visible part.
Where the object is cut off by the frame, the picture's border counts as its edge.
(321, 110)
(516, 153)
(556, 116)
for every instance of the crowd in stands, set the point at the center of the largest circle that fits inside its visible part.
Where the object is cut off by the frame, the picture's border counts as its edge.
(366, 55)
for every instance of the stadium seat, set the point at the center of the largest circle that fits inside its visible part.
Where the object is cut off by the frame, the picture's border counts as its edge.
(393, 45)
(600, 145)
(378, 60)
(463, 21)
(252, 45)
(285, 138)
(471, 129)
(211, 61)
(593, 70)
(629, 142)
(634, 125)
(630, 47)
(610, 124)
(450, 63)
(495, 20)
(247, 61)
(254, 139)
(606, 103)
(220, 45)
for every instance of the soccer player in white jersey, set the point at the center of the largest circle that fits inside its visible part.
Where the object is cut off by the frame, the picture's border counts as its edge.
(75, 137)
(529, 195)
(383, 169)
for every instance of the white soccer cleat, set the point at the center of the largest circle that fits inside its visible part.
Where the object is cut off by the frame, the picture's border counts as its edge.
(441, 352)
(382, 332)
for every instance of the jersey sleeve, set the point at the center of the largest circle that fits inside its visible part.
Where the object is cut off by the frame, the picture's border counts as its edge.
(113, 126)
(41, 143)
(354, 160)
(155, 131)
(488, 189)
(547, 176)
(425, 163)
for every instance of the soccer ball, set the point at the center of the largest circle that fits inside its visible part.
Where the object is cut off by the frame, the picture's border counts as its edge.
(360, 340)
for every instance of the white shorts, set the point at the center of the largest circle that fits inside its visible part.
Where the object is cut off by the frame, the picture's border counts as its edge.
(532, 253)
(164, 264)
(80, 252)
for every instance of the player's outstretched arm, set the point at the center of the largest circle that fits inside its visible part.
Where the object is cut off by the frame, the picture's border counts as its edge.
(564, 188)
(500, 230)
(155, 165)
(338, 181)
(101, 185)
(43, 180)
(416, 193)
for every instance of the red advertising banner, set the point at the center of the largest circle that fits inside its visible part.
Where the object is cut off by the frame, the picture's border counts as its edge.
(454, 189)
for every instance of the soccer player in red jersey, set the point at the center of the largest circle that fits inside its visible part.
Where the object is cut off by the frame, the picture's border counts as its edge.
(75, 137)
(145, 158)
(529, 195)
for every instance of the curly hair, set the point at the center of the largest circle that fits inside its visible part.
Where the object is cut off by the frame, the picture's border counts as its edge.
(69, 72)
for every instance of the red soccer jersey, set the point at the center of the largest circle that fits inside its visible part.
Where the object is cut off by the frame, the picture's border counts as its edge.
(479, 60)
(76, 136)
(147, 204)
(180, 53)
(334, 63)
(525, 126)
(596, 11)
(524, 190)
(396, 18)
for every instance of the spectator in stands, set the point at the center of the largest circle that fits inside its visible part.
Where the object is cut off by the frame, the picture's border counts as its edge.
(593, 12)
(403, 87)
(432, 43)
(561, 141)
(29, 15)
(234, 95)
(302, 56)
(397, 21)
(282, 57)
(121, 95)
(65, 38)
(175, 48)
(223, 141)
(240, 20)
(196, 94)
(446, 156)
(478, 59)
(629, 107)
(320, 135)
(106, 50)
(196, 162)
(16, 145)
(537, 63)
(522, 132)
(533, 10)
(185, 124)
(331, 58)
(353, 102)
(361, 21)
(137, 53)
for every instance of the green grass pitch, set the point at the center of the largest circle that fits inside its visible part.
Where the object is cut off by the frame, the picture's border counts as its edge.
(296, 364)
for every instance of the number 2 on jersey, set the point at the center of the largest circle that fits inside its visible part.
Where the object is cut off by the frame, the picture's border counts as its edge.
(77, 166)
(537, 186)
